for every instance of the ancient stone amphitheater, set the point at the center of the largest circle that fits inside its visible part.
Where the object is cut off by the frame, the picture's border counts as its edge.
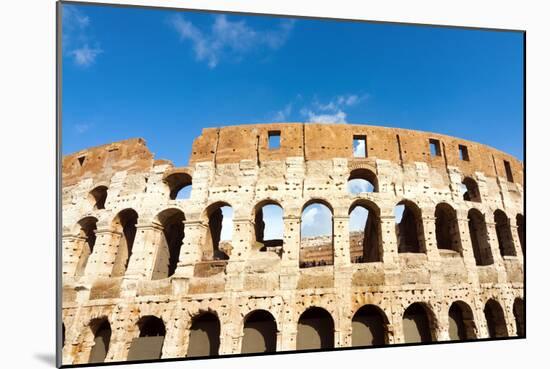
(146, 275)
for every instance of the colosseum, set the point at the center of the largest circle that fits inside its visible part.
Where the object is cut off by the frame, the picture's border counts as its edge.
(146, 273)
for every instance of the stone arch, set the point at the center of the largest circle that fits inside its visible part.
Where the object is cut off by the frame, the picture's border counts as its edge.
(480, 240)
(504, 234)
(124, 223)
(418, 323)
(519, 315)
(179, 184)
(173, 232)
(204, 335)
(409, 228)
(101, 330)
(315, 329)
(362, 180)
(269, 236)
(316, 234)
(88, 227)
(259, 332)
(98, 197)
(369, 326)
(216, 248)
(148, 345)
(447, 233)
(470, 190)
(494, 316)
(461, 321)
(520, 223)
(366, 243)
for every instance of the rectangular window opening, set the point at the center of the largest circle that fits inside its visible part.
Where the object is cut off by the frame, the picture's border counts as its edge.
(508, 169)
(274, 139)
(435, 147)
(360, 146)
(463, 153)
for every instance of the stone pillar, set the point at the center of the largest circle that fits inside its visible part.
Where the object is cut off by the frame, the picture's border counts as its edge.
(432, 252)
(242, 241)
(145, 251)
(102, 259)
(190, 254)
(390, 255)
(290, 259)
(289, 323)
(441, 326)
(341, 241)
(72, 249)
(467, 250)
(495, 251)
(517, 242)
(173, 346)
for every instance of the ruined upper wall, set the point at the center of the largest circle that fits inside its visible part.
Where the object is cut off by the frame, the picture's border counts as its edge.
(326, 141)
(101, 162)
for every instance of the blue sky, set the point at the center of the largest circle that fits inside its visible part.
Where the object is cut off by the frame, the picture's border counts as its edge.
(164, 75)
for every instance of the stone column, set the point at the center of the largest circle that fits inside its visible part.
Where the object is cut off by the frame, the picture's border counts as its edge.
(495, 251)
(242, 241)
(517, 242)
(72, 249)
(289, 324)
(432, 252)
(341, 241)
(467, 250)
(102, 259)
(190, 254)
(390, 255)
(290, 259)
(441, 327)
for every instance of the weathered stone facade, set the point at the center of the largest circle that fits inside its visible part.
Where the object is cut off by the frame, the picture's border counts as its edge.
(120, 263)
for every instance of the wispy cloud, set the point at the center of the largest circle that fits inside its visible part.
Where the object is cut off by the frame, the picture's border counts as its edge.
(228, 38)
(283, 114)
(316, 221)
(332, 111)
(77, 38)
(82, 127)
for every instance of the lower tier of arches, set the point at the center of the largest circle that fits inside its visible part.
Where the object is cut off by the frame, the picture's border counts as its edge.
(165, 327)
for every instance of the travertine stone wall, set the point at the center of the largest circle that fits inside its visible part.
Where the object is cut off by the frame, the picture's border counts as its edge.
(234, 165)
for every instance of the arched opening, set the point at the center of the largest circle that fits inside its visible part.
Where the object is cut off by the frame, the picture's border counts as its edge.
(88, 226)
(461, 322)
(416, 324)
(148, 346)
(259, 332)
(494, 315)
(504, 234)
(315, 330)
(98, 197)
(446, 228)
(368, 327)
(519, 315)
(520, 223)
(480, 241)
(470, 190)
(316, 241)
(204, 336)
(362, 181)
(268, 226)
(125, 223)
(409, 228)
(168, 253)
(220, 232)
(365, 233)
(180, 186)
(102, 337)
(62, 335)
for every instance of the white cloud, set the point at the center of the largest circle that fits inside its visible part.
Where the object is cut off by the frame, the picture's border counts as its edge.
(273, 220)
(333, 111)
(358, 219)
(359, 149)
(337, 117)
(226, 233)
(85, 56)
(82, 127)
(77, 37)
(283, 114)
(398, 212)
(316, 221)
(228, 38)
(359, 185)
